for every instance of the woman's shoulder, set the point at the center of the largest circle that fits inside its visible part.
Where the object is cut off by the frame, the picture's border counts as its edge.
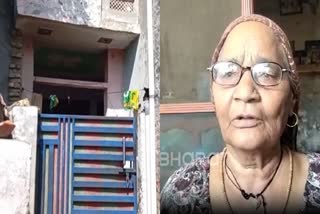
(314, 168)
(312, 191)
(187, 189)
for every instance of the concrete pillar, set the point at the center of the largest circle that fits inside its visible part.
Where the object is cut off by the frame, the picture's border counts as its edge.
(27, 68)
(18, 163)
(15, 176)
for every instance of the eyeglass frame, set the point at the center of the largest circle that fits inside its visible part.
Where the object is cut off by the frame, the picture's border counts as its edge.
(244, 69)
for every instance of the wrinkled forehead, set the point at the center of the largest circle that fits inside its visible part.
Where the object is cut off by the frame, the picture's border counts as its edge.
(251, 42)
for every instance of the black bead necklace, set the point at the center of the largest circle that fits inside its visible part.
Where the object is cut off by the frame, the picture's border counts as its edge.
(259, 197)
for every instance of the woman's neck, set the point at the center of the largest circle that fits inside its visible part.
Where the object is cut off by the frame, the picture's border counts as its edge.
(258, 164)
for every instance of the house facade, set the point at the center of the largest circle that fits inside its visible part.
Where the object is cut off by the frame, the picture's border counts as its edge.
(78, 58)
(76, 50)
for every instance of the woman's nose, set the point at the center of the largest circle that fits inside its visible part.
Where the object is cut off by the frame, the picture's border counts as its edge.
(246, 89)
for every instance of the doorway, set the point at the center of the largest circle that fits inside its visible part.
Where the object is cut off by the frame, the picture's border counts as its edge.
(75, 101)
(70, 65)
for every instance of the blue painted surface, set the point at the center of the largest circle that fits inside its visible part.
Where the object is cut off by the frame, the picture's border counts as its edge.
(64, 166)
(60, 157)
(95, 198)
(122, 184)
(88, 173)
(70, 160)
(84, 170)
(101, 157)
(129, 144)
(76, 211)
(43, 177)
(49, 142)
(50, 177)
(84, 117)
(45, 128)
(103, 130)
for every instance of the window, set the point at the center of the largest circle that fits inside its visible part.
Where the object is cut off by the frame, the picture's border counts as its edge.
(190, 30)
(189, 33)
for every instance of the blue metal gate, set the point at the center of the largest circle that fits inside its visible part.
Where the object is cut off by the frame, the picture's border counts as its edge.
(86, 164)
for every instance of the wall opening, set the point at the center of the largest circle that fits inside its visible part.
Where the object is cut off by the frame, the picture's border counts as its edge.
(60, 65)
(74, 101)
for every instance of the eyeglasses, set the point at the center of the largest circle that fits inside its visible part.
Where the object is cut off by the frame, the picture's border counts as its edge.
(263, 74)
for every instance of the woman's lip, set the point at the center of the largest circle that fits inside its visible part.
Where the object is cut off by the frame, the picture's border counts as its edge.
(246, 123)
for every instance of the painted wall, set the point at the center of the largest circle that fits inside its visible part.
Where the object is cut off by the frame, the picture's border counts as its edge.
(135, 67)
(6, 24)
(114, 77)
(190, 31)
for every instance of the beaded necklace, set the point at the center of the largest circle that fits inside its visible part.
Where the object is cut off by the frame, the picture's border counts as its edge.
(258, 196)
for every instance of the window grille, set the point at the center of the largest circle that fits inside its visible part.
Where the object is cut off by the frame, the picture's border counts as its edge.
(122, 5)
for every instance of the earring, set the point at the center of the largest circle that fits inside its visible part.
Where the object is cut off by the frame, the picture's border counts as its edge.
(297, 121)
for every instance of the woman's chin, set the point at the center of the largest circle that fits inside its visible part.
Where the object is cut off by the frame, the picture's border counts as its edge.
(247, 142)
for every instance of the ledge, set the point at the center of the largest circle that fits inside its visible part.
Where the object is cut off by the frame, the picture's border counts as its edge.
(183, 108)
(71, 83)
(310, 68)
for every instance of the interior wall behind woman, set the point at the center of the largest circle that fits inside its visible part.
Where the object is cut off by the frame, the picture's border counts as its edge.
(306, 21)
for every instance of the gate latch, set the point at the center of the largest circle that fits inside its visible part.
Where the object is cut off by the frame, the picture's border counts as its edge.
(128, 179)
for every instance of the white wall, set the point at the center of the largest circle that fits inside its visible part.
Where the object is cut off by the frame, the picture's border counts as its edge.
(15, 173)
(18, 163)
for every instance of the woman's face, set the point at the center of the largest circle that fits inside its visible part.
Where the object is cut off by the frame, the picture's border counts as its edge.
(251, 116)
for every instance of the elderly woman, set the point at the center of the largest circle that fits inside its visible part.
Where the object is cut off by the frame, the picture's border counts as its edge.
(255, 90)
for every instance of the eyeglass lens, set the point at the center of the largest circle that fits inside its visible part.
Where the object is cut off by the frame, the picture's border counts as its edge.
(229, 73)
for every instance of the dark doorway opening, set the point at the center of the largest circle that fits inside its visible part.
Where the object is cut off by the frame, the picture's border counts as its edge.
(75, 101)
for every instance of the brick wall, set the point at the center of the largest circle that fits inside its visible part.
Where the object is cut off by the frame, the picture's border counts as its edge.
(15, 72)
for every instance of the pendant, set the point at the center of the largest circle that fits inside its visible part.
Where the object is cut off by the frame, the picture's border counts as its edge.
(246, 195)
(259, 202)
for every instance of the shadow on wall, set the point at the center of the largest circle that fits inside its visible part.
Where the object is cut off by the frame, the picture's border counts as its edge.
(129, 63)
(7, 16)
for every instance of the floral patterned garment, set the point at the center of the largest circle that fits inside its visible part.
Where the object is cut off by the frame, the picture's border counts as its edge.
(187, 190)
